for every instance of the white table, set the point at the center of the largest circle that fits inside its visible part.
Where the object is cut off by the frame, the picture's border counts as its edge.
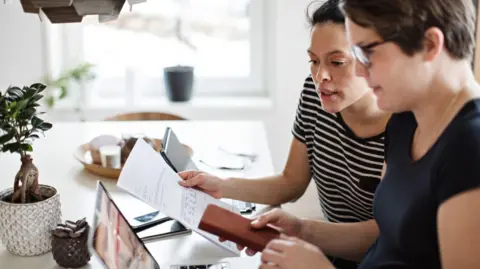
(53, 155)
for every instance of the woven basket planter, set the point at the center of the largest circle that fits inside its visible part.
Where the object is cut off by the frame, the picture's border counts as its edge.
(25, 229)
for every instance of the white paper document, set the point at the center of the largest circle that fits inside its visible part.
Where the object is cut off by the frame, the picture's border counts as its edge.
(148, 177)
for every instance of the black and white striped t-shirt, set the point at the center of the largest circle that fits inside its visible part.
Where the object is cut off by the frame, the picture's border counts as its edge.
(346, 168)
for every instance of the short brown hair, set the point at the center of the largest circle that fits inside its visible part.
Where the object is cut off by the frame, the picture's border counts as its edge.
(406, 21)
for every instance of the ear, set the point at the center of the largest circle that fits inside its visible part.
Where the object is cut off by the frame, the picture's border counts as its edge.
(433, 43)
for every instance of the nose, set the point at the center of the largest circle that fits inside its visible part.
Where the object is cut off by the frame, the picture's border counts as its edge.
(361, 70)
(322, 75)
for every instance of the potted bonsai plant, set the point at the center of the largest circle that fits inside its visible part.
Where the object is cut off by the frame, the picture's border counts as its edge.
(28, 211)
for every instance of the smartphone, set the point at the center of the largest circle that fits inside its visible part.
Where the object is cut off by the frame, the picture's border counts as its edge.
(163, 230)
(148, 220)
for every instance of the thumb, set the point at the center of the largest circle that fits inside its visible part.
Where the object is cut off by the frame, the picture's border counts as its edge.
(263, 220)
(193, 181)
(186, 175)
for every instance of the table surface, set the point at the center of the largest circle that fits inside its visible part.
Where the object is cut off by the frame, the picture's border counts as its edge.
(53, 155)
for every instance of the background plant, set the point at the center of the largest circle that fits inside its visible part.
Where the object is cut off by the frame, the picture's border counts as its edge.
(79, 74)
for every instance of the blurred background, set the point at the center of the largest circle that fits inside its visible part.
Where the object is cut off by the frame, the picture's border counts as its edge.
(249, 59)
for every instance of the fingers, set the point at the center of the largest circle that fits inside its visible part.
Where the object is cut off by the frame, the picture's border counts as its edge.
(280, 245)
(266, 218)
(270, 256)
(250, 252)
(186, 175)
(268, 266)
(193, 181)
(239, 247)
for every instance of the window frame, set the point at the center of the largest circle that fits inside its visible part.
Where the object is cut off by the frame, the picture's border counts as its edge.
(59, 37)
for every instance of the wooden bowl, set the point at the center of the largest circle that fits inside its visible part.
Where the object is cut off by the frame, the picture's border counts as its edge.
(82, 154)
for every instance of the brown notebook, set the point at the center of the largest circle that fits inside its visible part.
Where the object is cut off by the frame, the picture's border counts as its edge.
(236, 228)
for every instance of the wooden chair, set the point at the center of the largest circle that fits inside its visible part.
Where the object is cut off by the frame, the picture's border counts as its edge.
(144, 116)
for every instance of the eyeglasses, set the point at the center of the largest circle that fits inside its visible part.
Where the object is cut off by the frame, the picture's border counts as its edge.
(362, 53)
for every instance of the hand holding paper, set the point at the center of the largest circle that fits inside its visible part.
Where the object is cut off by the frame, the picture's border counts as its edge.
(148, 177)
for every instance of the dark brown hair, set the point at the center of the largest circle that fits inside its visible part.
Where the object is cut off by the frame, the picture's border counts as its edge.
(406, 21)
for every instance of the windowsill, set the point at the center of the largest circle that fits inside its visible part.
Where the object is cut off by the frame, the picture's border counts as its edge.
(196, 103)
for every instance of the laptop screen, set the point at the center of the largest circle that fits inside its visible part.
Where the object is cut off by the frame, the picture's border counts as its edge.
(113, 239)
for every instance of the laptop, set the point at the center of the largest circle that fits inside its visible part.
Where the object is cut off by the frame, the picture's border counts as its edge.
(117, 246)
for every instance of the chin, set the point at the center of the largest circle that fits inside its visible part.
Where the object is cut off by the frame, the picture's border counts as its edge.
(332, 108)
(388, 106)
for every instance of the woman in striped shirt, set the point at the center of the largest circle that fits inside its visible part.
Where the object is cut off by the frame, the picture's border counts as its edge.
(338, 141)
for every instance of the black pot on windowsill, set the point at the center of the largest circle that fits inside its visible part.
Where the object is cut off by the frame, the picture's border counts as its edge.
(179, 82)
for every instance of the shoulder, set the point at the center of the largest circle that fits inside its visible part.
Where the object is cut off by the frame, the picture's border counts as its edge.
(309, 92)
(464, 133)
(459, 154)
(400, 119)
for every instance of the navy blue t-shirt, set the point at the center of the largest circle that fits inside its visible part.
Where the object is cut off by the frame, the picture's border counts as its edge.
(408, 198)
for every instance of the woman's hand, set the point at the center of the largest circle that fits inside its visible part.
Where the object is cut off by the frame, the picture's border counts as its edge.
(284, 222)
(293, 253)
(202, 181)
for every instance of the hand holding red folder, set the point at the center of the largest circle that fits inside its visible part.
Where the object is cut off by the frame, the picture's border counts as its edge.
(236, 228)
(260, 230)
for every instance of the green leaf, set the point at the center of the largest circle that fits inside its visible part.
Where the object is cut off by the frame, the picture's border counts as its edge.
(12, 147)
(14, 93)
(5, 126)
(28, 113)
(50, 100)
(26, 147)
(37, 97)
(29, 92)
(21, 104)
(6, 137)
(63, 92)
(36, 122)
(45, 126)
(34, 136)
(39, 87)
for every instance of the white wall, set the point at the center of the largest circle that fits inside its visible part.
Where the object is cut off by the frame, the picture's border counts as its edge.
(21, 46)
(21, 62)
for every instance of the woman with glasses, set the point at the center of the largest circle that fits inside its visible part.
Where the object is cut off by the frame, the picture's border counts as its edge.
(416, 56)
(338, 141)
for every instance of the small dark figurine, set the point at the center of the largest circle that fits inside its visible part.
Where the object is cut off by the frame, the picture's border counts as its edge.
(69, 244)
(129, 143)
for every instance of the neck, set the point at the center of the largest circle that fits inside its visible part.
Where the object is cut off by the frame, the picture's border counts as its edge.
(442, 94)
(364, 110)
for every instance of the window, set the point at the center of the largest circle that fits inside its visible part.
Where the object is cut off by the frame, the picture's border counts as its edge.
(222, 39)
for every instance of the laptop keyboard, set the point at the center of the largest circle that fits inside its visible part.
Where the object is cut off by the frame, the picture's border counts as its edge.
(223, 265)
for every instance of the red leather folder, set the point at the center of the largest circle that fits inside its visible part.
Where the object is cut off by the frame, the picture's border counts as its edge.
(236, 228)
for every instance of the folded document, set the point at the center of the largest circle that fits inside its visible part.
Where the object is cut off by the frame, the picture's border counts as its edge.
(148, 177)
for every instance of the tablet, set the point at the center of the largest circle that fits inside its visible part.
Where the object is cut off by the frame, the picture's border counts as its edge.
(113, 239)
(175, 154)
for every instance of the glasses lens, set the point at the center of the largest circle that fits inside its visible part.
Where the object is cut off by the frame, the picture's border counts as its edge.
(360, 55)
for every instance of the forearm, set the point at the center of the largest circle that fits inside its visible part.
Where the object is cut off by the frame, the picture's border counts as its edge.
(273, 190)
(346, 240)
